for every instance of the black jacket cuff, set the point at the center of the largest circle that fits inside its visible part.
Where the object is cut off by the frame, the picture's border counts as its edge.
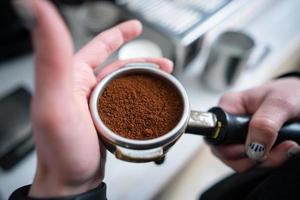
(98, 193)
(290, 74)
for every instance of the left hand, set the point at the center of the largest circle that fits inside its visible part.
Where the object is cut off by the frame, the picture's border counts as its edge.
(70, 158)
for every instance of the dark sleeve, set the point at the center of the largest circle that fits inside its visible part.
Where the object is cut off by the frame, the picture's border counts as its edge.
(259, 184)
(99, 193)
(290, 74)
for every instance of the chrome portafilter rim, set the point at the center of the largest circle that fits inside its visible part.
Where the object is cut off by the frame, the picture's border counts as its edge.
(115, 139)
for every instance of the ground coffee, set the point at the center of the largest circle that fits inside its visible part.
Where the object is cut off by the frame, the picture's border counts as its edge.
(140, 106)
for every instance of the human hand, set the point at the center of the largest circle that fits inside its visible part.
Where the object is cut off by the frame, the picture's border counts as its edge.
(70, 158)
(270, 105)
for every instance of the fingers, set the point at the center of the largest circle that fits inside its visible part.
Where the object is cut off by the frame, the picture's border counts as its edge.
(240, 165)
(280, 153)
(265, 124)
(53, 49)
(164, 64)
(107, 42)
(234, 151)
(234, 156)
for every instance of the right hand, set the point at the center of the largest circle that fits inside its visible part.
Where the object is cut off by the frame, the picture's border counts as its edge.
(270, 106)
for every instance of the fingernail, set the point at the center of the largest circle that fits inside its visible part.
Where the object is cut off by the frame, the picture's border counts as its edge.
(293, 151)
(255, 151)
(24, 10)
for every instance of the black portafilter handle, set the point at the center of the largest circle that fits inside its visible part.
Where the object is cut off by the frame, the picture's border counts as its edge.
(233, 129)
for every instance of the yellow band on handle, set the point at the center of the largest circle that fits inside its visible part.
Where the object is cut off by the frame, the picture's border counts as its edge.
(219, 125)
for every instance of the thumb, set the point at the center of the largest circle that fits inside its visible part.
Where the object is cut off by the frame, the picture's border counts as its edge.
(232, 102)
(53, 49)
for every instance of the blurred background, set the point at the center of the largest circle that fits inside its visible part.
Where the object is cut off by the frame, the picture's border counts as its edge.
(216, 45)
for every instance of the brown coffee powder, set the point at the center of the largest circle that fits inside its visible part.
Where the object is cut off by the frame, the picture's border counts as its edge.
(140, 106)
